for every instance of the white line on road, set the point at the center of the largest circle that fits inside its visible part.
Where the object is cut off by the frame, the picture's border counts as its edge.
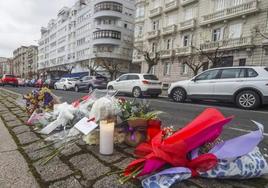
(244, 130)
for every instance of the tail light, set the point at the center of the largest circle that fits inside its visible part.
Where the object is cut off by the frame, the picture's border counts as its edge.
(145, 82)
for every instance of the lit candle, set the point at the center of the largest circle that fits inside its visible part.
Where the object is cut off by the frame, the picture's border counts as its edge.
(106, 137)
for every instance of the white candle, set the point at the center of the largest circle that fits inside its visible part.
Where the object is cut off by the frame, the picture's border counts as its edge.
(106, 138)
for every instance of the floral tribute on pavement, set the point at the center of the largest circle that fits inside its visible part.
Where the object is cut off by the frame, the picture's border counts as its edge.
(164, 155)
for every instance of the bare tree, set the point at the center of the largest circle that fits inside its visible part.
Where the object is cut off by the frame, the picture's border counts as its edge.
(109, 64)
(93, 66)
(258, 31)
(151, 55)
(194, 62)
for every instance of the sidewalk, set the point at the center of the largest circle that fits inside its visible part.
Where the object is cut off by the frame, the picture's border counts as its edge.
(78, 166)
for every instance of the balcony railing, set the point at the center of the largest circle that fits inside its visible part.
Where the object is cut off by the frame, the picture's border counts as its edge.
(171, 5)
(169, 29)
(225, 44)
(139, 19)
(140, 1)
(167, 53)
(155, 12)
(188, 24)
(231, 12)
(186, 2)
(183, 51)
(153, 34)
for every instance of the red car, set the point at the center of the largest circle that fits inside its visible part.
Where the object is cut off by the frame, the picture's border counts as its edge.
(8, 79)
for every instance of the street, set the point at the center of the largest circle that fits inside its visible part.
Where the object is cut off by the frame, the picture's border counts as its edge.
(179, 114)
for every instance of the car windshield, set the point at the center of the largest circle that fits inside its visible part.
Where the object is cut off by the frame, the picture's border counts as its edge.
(266, 68)
(101, 78)
(150, 77)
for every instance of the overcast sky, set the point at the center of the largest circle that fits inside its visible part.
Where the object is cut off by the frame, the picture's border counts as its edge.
(21, 20)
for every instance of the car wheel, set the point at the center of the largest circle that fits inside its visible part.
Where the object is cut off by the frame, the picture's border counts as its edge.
(248, 100)
(110, 88)
(136, 92)
(90, 88)
(178, 95)
(76, 88)
(64, 88)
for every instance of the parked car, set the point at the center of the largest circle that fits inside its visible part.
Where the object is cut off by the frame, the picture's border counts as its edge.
(50, 82)
(137, 84)
(21, 82)
(90, 83)
(32, 82)
(39, 83)
(65, 83)
(247, 87)
(27, 82)
(9, 79)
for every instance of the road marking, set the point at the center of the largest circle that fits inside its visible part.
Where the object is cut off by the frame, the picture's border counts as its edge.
(244, 130)
(206, 105)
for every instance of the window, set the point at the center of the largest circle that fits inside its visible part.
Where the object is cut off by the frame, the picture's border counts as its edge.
(171, 19)
(242, 62)
(125, 25)
(251, 73)
(107, 34)
(184, 68)
(188, 14)
(233, 73)
(108, 6)
(155, 25)
(209, 75)
(205, 67)
(185, 40)
(152, 70)
(168, 44)
(122, 78)
(235, 31)
(150, 77)
(140, 11)
(167, 68)
(153, 47)
(133, 77)
(217, 34)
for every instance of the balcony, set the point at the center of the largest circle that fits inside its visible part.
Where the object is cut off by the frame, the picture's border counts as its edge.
(167, 53)
(155, 12)
(139, 19)
(153, 34)
(140, 1)
(188, 24)
(184, 51)
(171, 5)
(169, 29)
(228, 44)
(186, 2)
(138, 38)
(239, 10)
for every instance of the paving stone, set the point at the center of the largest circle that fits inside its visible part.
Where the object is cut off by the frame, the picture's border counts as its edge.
(69, 183)
(112, 181)
(53, 170)
(212, 183)
(107, 158)
(22, 114)
(70, 150)
(35, 152)
(27, 137)
(123, 164)
(90, 167)
(14, 123)
(130, 151)
(21, 129)
(9, 117)
(24, 119)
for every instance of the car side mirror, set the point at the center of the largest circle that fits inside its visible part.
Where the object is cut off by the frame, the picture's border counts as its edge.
(117, 80)
(194, 79)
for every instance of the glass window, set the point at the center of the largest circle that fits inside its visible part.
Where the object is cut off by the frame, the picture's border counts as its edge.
(133, 77)
(216, 34)
(122, 78)
(209, 75)
(232, 73)
(252, 73)
(150, 77)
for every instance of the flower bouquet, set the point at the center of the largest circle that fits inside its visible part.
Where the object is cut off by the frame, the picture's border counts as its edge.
(139, 116)
(196, 150)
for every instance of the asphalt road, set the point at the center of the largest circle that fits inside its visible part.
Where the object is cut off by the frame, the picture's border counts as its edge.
(178, 114)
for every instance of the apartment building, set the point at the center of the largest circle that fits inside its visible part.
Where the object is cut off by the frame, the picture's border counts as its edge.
(25, 62)
(5, 66)
(86, 32)
(180, 28)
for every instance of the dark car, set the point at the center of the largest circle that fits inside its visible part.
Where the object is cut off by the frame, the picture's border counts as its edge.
(91, 82)
(9, 79)
(50, 82)
(39, 83)
(32, 82)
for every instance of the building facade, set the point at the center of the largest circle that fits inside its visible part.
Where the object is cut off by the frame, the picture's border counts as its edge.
(25, 60)
(6, 66)
(90, 30)
(181, 28)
